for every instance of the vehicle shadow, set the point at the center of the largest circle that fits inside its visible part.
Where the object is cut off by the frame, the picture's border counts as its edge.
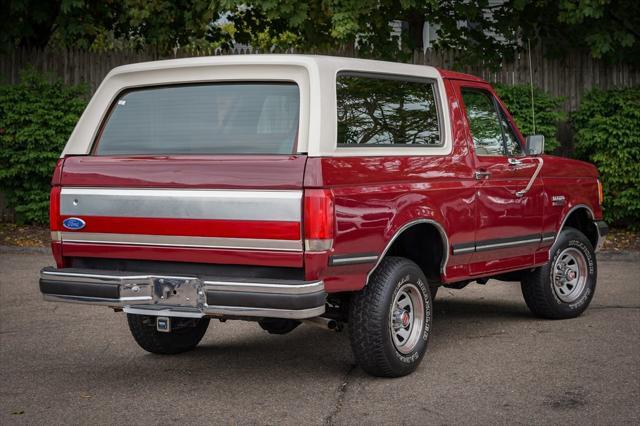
(480, 311)
(247, 353)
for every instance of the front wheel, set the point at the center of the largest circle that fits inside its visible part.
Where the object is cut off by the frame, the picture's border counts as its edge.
(185, 334)
(564, 287)
(390, 319)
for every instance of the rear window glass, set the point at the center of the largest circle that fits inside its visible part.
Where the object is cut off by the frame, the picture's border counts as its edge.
(379, 111)
(220, 118)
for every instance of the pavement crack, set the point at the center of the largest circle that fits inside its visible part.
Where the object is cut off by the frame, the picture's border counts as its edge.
(342, 390)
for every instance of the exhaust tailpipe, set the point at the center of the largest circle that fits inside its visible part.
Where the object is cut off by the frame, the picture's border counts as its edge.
(323, 322)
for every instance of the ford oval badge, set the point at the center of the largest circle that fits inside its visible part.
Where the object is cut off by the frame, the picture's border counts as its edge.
(73, 223)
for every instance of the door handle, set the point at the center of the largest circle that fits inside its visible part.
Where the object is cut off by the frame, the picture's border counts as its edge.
(482, 174)
(514, 162)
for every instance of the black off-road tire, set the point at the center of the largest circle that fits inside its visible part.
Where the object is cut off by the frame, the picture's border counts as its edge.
(538, 286)
(185, 334)
(278, 325)
(370, 313)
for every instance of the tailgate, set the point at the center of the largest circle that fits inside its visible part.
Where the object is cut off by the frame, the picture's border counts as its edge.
(229, 209)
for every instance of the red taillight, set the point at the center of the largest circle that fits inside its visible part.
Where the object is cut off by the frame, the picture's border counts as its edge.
(54, 209)
(54, 198)
(54, 215)
(54, 224)
(318, 219)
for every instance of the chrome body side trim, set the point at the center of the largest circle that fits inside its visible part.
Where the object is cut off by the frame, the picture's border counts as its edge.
(464, 250)
(351, 260)
(443, 234)
(506, 244)
(182, 241)
(485, 245)
(182, 203)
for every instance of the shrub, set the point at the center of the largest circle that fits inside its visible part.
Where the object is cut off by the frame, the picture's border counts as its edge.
(547, 111)
(36, 118)
(607, 133)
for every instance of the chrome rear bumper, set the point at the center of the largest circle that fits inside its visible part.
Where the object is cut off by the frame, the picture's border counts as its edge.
(184, 296)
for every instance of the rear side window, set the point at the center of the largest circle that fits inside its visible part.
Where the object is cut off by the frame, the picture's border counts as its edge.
(386, 111)
(217, 118)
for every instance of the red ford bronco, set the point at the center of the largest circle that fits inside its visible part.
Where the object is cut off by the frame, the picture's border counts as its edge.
(284, 189)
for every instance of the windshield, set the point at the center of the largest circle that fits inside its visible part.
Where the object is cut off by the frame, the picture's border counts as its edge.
(216, 118)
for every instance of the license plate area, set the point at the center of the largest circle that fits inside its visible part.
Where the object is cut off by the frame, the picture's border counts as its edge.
(178, 292)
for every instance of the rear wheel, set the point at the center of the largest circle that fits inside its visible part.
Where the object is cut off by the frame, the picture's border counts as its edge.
(185, 334)
(278, 325)
(390, 319)
(564, 287)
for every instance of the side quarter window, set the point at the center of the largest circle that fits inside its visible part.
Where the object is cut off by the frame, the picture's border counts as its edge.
(484, 122)
(381, 110)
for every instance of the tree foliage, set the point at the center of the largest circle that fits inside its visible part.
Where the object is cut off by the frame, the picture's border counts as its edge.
(607, 127)
(478, 30)
(36, 119)
(608, 29)
(102, 25)
(547, 112)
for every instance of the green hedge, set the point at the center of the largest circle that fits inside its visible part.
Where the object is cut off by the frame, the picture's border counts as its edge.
(607, 133)
(36, 119)
(547, 112)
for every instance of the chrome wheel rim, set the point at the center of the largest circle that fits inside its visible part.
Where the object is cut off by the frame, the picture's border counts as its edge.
(569, 275)
(406, 319)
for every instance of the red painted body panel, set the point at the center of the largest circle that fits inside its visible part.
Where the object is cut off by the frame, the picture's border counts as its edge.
(193, 227)
(271, 172)
(186, 171)
(454, 75)
(179, 254)
(576, 181)
(500, 213)
(374, 198)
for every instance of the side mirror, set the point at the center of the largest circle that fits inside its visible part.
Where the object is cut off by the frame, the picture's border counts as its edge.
(534, 145)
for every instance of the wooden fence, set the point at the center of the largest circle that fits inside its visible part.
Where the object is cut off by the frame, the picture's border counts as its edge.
(569, 77)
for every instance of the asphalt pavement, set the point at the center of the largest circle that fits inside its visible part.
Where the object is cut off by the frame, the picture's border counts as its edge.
(489, 362)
